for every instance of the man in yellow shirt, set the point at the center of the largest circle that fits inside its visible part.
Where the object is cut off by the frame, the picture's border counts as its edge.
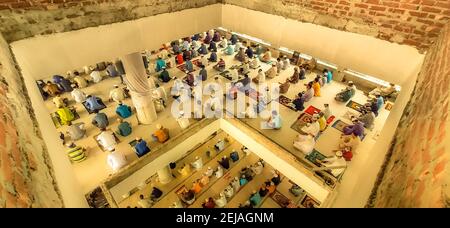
(161, 134)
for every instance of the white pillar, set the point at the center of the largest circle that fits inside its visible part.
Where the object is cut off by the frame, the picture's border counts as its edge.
(165, 175)
(140, 88)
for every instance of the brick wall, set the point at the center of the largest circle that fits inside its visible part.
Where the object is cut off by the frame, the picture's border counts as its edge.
(26, 178)
(21, 19)
(411, 22)
(417, 169)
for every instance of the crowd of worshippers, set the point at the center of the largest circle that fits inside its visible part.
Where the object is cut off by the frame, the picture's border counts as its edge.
(352, 134)
(107, 139)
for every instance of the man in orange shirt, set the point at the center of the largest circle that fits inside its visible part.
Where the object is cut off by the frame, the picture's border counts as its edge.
(161, 134)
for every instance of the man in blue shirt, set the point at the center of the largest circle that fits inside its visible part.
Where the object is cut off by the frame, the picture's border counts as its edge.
(93, 103)
(124, 128)
(380, 101)
(123, 111)
(100, 120)
(141, 147)
(111, 70)
(249, 52)
(164, 76)
(213, 57)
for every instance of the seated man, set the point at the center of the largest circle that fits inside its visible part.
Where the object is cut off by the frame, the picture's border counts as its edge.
(337, 163)
(295, 76)
(367, 117)
(59, 101)
(357, 129)
(260, 78)
(75, 131)
(124, 128)
(384, 91)
(179, 59)
(164, 76)
(64, 84)
(254, 64)
(189, 66)
(80, 82)
(249, 52)
(189, 79)
(212, 46)
(141, 147)
(160, 64)
(76, 153)
(187, 55)
(107, 140)
(161, 134)
(229, 50)
(298, 103)
(216, 37)
(266, 57)
(284, 87)
(223, 43)
(65, 115)
(116, 160)
(309, 93)
(346, 94)
(220, 66)
(213, 57)
(78, 95)
(100, 120)
(349, 141)
(170, 62)
(111, 70)
(272, 72)
(117, 94)
(233, 75)
(203, 50)
(203, 74)
(305, 143)
(286, 63)
(94, 103)
(51, 89)
(96, 76)
(274, 121)
(124, 111)
(240, 56)
(312, 128)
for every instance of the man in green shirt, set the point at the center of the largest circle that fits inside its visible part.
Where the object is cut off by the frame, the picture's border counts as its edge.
(124, 128)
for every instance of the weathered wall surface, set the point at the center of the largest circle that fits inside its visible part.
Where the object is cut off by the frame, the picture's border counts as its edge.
(21, 19)
(411, 22)
(26, 179)
(418, 171)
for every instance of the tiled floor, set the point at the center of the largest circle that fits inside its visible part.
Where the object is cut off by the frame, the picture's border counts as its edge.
(96, 162)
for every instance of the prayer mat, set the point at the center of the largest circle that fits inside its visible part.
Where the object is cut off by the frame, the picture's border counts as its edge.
(280, 199)
(225, 74)
(330, 119)
(195, 63)
(309, 202)
(301, 121)
(340, 125)
(354, 105)
(315, 155)
(57, 121)
(103, 106)
(388, 106)
(311, 110)
(99, 145)
(286, 102)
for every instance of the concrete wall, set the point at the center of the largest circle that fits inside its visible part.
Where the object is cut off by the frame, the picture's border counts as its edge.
(23, 19)
(417, 170)
(43, 56)
(382, 59)
(26, 175)
(410, 22)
